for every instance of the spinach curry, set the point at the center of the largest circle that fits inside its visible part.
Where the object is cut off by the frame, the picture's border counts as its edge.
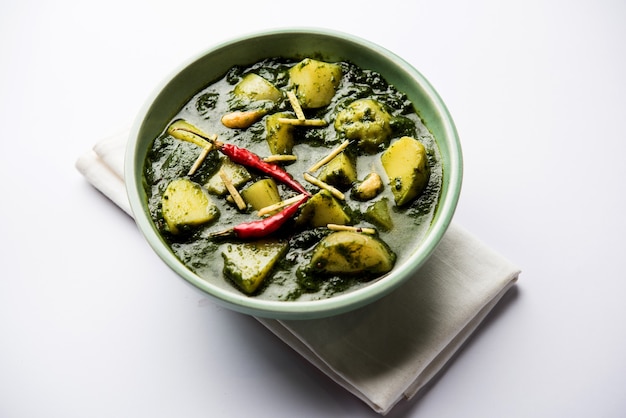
(365, 179)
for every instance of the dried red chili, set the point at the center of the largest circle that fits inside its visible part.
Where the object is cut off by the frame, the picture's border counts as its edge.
(263, 227)
(249, 159)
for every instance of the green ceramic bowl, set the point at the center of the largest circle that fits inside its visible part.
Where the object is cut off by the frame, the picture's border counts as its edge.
(211, 65)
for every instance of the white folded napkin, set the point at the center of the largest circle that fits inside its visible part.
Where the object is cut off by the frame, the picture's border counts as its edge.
(390, 349)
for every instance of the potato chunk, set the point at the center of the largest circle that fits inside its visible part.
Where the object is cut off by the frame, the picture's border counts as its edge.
(237, 173)
(279, 136)
(367, 121)
(253, 87)
(185, 204)
(249, 264)
(379, 215)
(261, 194)
(185, 131)
(348, 252)
(406, 165)
(315, 82)
(340, 171)
(323, 209)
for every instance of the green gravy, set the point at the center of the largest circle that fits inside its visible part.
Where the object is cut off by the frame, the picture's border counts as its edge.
(170, 158)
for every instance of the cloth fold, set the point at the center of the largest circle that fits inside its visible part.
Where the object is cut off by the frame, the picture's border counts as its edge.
(389, 350)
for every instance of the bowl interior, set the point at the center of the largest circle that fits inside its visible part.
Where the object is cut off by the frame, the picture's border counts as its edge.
(332, 46)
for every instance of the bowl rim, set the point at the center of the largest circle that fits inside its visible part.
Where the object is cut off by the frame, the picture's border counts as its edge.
(316, 308)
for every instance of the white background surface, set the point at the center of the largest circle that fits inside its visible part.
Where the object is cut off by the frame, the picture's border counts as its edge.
(92, 324)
